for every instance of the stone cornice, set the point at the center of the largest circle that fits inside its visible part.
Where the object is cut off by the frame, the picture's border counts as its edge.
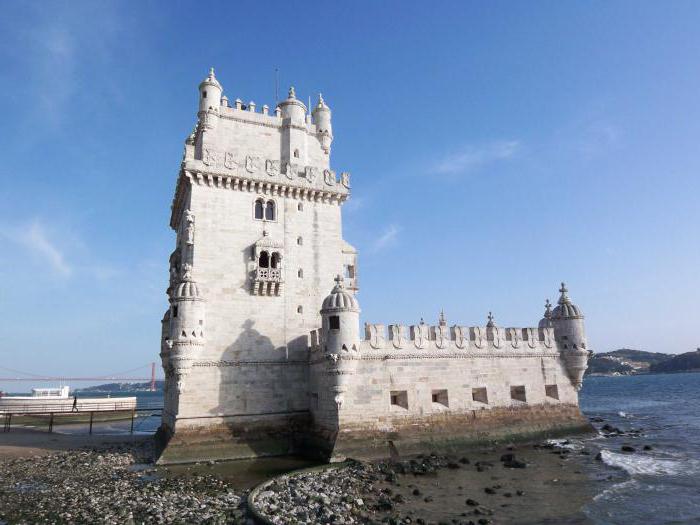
(224, 363)
(399, 355)
(245, 182)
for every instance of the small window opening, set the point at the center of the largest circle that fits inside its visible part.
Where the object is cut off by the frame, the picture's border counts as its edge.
(440, 397)
(204, 94)
(296, 153)
(480, 395)
(349, 271)
(300, 309)
(174, 311)
(259, 209)
(275, 261)
(300, 273)
(399, 398)
(300, 206)
(264, 261)
(201, 322)
(517, 393)
(300, 241)
(334, 322)
(551, 391)
(270, 211)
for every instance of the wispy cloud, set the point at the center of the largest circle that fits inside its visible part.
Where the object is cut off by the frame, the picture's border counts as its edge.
(475, 156)
(387, 237)
(35, 238)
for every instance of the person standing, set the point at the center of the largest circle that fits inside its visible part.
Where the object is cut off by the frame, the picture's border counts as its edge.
(75, 403)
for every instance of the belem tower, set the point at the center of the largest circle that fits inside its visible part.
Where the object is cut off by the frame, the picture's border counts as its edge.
(261, 344)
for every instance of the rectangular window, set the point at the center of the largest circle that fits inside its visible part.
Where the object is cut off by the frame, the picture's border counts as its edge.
(551, 391)
(399, 398)
(440, 397)
(517, 393)
(174, 311)
(334, 322)
(349, 271)
(480, 395)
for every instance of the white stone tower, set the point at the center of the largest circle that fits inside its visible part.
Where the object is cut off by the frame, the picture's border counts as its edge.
(268, 245)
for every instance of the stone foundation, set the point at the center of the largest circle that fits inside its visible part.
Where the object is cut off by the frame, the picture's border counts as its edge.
(451, 432)
(289, 435)
(241, 438)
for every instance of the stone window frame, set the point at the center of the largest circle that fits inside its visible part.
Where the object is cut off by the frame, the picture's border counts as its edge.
(551, 391)
(265, 202)
(480, 394)
(398, 399)
(440, 397)
(518, 393)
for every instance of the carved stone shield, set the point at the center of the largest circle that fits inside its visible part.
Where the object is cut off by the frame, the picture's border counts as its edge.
(329, 177)
(252, 163)
(230, 162)
(272, 167)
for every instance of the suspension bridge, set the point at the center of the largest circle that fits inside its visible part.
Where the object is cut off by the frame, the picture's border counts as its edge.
(134, 374)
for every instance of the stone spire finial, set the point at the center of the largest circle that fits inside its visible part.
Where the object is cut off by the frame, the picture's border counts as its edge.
(321, 103)
(292, 93)
(186, 272)
(211, 72)
(490, 323)
(422, 321)
(564, 297)
(547, 309)
(442, 321)
(339, 281)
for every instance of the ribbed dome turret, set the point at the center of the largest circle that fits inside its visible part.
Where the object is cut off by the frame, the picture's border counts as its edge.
(565, 309)
(210, 80)
(187, 288)
(340, 299)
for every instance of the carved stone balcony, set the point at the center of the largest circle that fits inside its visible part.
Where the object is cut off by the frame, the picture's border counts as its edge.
(267, 281)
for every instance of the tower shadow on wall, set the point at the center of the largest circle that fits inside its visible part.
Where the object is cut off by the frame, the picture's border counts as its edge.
(251, 387)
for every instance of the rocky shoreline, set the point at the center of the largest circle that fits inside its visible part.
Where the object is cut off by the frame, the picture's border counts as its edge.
(115, 484)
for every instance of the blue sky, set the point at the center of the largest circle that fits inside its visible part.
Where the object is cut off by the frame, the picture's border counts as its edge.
(496, 148)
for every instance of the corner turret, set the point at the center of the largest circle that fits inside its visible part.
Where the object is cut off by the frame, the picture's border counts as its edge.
(546, 321)
(340, 320)
(186, 334)
(210, 92)
(293, 109)
(570, 335)
(322, 119)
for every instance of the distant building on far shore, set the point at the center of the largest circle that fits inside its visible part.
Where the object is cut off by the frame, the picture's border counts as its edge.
(261, 344)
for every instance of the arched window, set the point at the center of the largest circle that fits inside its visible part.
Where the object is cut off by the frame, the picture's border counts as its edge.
(275, 261)
(270, 211)
(300, 241)
(300, 273)
(296, 153)
(300, 309)
(259, 204)
(300, 206)
(264, 261)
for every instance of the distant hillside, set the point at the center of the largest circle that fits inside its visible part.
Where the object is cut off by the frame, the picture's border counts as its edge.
(122, 387)
(687, 362)
(625, 361)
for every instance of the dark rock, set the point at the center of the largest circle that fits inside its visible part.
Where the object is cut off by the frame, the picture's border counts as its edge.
(416, 492)
(599, 456)
(453, 466)
(428, 499)
(520, 492)
(472, 503)
(648, 447)
(627, 448)
(514, 464)
(464, 461)
(507, 457)
(489, 490)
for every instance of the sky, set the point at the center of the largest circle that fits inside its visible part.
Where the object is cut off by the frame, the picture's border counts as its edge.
(496, 149)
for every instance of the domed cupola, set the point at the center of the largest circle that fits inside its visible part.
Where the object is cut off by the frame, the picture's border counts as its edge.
(565, 309)
(340, 300)
(293, 108)
(187, 288)
(210, 80)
